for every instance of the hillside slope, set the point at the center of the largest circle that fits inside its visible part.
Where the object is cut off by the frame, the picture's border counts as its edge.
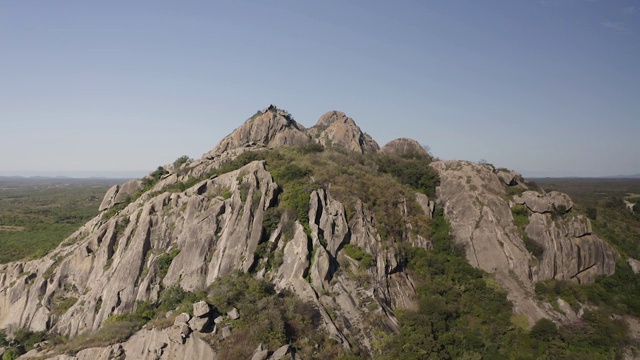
(321, 215)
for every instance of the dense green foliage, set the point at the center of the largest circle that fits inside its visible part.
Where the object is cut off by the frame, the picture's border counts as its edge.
(359, 254)
(36, 215)
(412, 170)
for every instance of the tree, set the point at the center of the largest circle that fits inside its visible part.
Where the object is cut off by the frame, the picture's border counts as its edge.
(544, 329)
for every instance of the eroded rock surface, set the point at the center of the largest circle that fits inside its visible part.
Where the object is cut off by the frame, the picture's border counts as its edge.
(404, 147)
(335, 128)
(475, 202)
(215, 226)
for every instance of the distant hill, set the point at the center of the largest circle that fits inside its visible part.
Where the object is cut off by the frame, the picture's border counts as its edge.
(634, 176)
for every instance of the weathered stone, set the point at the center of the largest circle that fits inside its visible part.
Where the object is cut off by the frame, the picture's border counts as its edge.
(199, 324)
(473, 201)
(109, 197)
(127, 191)
(334, 128)
(281, 353)
(566, 256)
(271, 128)
(218, 320)
(404, 147)
(560, 201)
(260, 355)
(185, 330)
(233, 314)
(201, 309)
(507, 177)
(535, 201)
(174, 334)
(226, 332)
(635, 265)
(426, 205)
(182, 319)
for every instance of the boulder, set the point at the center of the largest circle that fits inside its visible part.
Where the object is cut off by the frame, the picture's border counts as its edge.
(334, 128)
(281, 353)
(185, 330)
(260, 355)
(199, 324)
(635, 265)
(534, 201)
(182, 319)
(226, 332)
(201, 309)
(109, 197)
(404, 147)
(507, 177)
(426, 205)
(560, 201)
(233, 314)
(127, 191)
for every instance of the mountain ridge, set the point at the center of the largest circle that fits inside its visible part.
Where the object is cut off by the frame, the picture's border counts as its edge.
(323, 213)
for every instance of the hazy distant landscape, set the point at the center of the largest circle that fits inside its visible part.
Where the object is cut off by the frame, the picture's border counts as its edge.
(37, 214)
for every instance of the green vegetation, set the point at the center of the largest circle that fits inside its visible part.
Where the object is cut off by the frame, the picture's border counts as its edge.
(184, 159)
(61, 305)
(521, 220)
(23, 341)
(619, 293)
(36, 215)
(271, 318)
(461, 315)
(165, 260)
(357, 253)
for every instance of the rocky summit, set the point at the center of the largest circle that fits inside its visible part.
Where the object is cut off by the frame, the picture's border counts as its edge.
(317, 215)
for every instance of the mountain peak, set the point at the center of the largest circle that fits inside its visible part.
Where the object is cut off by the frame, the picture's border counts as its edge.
(270, 127)
(335, 128)
(274, 127)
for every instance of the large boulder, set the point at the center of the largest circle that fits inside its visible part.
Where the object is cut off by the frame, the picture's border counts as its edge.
(335, 128)
(404, 147)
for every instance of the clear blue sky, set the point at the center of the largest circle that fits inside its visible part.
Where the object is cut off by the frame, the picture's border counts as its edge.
(548, 88)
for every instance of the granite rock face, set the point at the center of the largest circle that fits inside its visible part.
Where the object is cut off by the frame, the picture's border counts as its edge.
(475, 202)
(335, 128)
(214, 227)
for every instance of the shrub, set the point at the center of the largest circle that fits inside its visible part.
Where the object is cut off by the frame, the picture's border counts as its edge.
(60, 306)
(544, 330)
(180, 161)
(520, 216)
(165, 260)
(11, 354)
(359, 254)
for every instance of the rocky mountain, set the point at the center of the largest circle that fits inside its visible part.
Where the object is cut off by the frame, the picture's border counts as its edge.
(308, 211)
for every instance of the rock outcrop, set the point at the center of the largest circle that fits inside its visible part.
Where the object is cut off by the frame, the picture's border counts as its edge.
(475, 202)
(337, 129)
(571, 251)
(404, 147)
(189, 236)
(271, 127)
